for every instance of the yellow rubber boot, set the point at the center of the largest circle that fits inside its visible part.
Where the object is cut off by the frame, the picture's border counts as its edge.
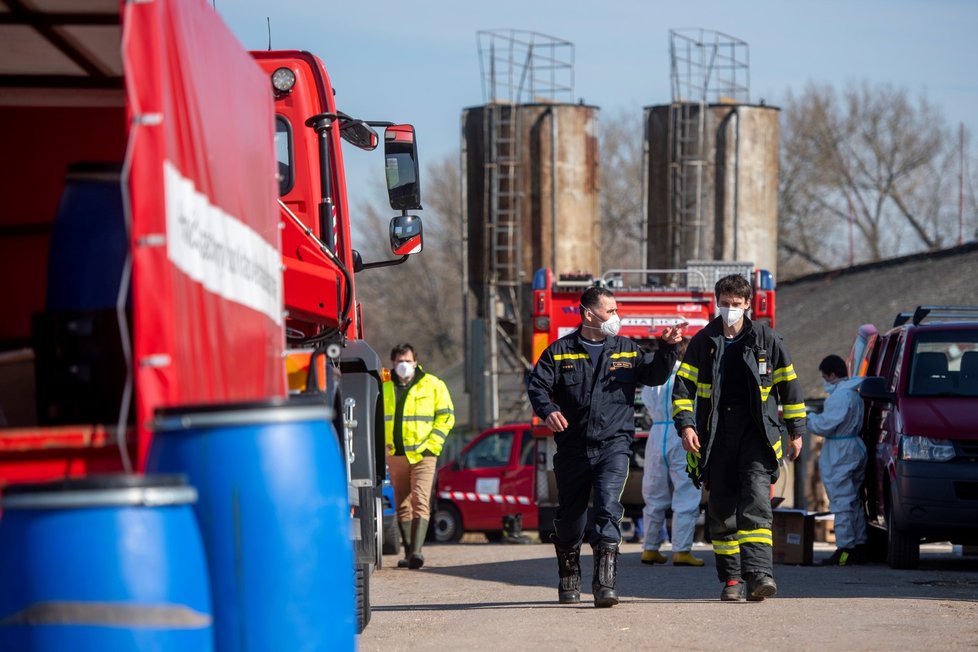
(653, 557)
(685, 558)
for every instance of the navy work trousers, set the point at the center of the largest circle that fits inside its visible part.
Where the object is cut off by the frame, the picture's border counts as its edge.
(741, 468)
(599, 474)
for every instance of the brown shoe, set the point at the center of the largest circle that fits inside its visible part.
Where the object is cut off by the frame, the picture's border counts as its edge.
(686, 558)
(653, 557)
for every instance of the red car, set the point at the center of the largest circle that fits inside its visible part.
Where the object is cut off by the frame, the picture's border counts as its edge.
(921, 431)
(493, 477)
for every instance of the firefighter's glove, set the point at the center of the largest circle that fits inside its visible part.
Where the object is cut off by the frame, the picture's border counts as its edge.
(693, 468)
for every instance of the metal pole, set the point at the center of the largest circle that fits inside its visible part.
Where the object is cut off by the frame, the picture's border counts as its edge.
(553, 190)
(646, 172)
(464, 271)
(961, 187)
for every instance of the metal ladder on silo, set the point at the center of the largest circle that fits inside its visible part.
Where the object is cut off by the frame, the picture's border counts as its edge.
(688, 165)
(505, 246)
(504, 199)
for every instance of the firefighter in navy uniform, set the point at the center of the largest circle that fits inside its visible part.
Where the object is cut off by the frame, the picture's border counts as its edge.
(736, 372)
(583, 386)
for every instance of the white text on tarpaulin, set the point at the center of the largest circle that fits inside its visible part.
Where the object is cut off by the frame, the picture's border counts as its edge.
(218, 250)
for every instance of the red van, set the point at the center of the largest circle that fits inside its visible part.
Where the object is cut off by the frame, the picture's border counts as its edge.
(921, 432)
(493, 477)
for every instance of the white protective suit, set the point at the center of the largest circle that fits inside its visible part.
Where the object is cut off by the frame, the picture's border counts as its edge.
(842, 461)
(664, 480)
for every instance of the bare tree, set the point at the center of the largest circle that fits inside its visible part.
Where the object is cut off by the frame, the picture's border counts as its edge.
(866, 174)
(622, 224)
(419, 301)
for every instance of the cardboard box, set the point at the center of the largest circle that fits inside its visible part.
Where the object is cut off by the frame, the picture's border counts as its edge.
(794, 533)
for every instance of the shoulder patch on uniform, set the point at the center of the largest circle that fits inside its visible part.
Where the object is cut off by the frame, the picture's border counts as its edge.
(621, 364)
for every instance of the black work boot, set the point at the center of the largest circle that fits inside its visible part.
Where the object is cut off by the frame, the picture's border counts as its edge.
(419, 530)
(845, 557)
(733, 591)
(569, 571)
(405, 528)
(605, 574)
(760, 586)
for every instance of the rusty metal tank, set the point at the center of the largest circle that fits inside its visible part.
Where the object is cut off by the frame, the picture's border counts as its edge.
(557, 181)
(737, 216)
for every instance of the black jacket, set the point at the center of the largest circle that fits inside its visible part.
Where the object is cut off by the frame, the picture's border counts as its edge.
(598, 401)
(699, 380)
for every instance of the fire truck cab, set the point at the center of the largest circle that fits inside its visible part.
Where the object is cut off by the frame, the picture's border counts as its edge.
(325, 347)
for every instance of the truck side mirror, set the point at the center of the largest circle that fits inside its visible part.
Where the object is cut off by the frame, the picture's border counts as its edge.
(406, 235)
(401, 166)
(876, 389)
(359, 134)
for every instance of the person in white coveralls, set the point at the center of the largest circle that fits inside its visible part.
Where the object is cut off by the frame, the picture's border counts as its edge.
(665, 482)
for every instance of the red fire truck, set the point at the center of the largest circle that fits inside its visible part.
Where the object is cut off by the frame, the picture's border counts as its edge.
(156, 183)
(649, 300)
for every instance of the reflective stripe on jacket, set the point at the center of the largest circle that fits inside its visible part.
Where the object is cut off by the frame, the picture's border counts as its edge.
(428, 416)
(698, 383)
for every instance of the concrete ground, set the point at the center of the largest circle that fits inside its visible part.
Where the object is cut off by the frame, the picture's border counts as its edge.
(480, 596)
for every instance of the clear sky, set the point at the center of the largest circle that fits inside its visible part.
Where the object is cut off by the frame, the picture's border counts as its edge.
(417, 61)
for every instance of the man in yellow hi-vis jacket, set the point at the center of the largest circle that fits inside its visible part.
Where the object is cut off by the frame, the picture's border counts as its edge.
(736, 372)
(418, 415)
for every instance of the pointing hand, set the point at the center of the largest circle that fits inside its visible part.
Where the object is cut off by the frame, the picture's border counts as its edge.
(674, 334)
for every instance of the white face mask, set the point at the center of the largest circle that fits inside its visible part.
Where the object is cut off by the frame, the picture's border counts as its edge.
(611, 326)
(405, 370)
(731, 315)
(829, 386)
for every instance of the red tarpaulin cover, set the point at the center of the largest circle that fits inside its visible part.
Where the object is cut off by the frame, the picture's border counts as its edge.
(207, 280)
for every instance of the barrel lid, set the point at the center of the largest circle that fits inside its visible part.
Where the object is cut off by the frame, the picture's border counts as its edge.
(132, 490)
(297, 407)
(98, 482)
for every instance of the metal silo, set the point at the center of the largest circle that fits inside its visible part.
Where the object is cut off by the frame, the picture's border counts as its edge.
(557, 186)
(711, 168)
(529, 200)
(727, 207)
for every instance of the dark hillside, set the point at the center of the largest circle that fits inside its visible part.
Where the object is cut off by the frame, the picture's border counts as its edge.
(819, 314)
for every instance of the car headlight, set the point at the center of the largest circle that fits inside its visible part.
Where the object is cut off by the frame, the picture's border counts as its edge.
(913, 447)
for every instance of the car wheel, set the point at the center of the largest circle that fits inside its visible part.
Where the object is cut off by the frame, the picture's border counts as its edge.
(447, 523)
(392, 537)
(362, 575)
(902, 548)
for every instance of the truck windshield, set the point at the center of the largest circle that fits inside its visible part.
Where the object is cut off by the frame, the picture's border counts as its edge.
(283, 155)
(945, 364)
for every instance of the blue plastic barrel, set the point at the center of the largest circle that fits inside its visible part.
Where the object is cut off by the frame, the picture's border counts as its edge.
(275, 519)
(89, 240)
(103, 563)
